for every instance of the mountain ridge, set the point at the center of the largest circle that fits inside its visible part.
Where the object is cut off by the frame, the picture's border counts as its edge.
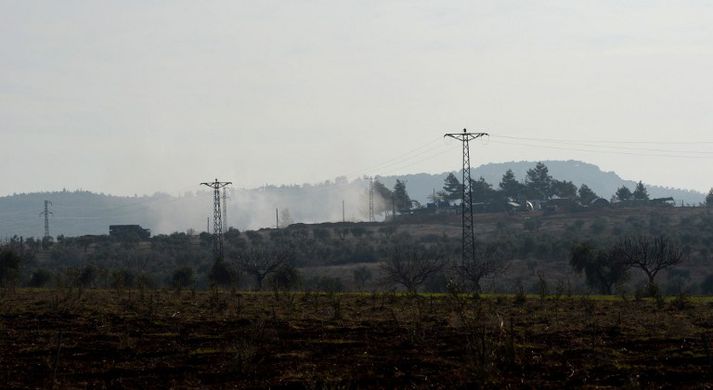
(604, 183)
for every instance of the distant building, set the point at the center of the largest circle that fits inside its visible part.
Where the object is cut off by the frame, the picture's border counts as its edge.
(129, 232)
(664, 202)
(599, 203)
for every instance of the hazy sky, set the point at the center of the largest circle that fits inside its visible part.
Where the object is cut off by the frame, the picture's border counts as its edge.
(142, 96)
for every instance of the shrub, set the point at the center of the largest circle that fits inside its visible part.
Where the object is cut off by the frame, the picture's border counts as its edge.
(707, 285)
(39, 278)
(285, 278)
(182, 278)
(532, 224)
(598, 225)
(520, 297)
(9, 266)
(324, 283)
(361, 276)
(122, 278)
(221, 274)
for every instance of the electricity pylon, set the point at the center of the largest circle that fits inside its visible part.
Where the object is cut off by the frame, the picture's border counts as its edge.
(217, 217)
(47, 213)
(467, 220)
(372, 217)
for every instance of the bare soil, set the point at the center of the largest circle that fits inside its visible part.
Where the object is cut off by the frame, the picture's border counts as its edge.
(217, 339)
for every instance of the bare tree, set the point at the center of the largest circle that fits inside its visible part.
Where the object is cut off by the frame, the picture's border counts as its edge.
(261, 262)
(361, 276)
(650, 254)
(489, 260)
(410, 265)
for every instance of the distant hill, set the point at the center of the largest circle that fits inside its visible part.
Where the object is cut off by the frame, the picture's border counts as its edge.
(603, 183)
(82, 212)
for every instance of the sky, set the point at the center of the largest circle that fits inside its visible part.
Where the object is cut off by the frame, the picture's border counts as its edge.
(136, 97)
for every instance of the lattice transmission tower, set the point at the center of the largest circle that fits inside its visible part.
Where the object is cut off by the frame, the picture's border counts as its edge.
(47, 214)
(372, 216)
(217, 217)
(467, 220)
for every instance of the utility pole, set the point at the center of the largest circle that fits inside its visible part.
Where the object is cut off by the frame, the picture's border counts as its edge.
(217, 217)
(372, 217)
(277, 218)
(47, 213)
(344, 219)
(467, 220)
(207, 225)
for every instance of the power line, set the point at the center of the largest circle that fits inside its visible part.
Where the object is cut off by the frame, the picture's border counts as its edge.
(423, 159)
(600, 145)
(415, 158)
(408, 155)
(580, 149)
(609, 141)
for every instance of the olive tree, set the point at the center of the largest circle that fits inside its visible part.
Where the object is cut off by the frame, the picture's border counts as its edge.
(603, 269)
(182, 278)
(222, 274)
(488, 260)
(361, 276)
(650, 255)
(261, 261)
(410, 265)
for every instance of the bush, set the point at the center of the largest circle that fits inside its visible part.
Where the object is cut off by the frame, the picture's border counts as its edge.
(285, 278)
(182, 278)
(598, 225)
(707, 285)
(321, 234)
(520, 297)
(9, 266)
(358, 231)
(324, 283)
(87, 276)
(39, 278)
(361, 276)
(145, 281)
(122, 278)
(532, 224)
(221, 274)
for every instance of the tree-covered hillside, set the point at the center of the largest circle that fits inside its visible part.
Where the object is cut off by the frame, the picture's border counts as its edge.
(603, 183)
(77, 213)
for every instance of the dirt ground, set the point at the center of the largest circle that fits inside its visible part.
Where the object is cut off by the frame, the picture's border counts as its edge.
(150, 339)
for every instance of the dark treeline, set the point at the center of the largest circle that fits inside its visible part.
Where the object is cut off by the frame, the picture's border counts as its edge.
(366, 254)
(538, 185)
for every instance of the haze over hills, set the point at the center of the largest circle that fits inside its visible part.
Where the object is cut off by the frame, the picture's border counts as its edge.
(82, 212)
(603, 183)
